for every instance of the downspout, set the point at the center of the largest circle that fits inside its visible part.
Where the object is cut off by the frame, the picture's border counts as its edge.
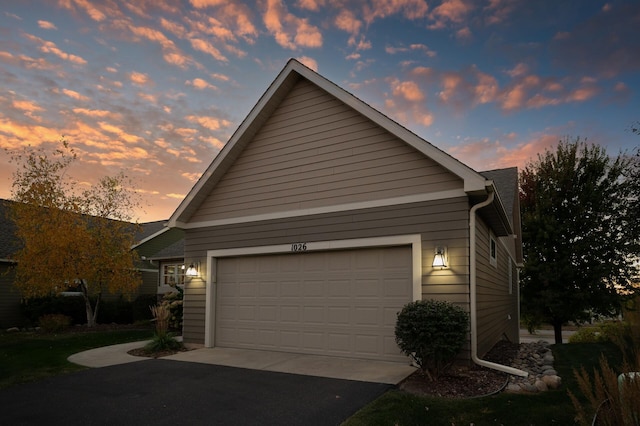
(474, 298)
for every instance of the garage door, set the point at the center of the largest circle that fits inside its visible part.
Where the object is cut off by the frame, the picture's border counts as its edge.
(338, 303)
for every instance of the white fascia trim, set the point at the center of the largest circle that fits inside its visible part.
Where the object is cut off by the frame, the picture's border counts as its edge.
(454, 193)
(413, 240)
(7, 261)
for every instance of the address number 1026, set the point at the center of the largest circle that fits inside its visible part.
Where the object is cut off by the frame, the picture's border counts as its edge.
(297, 247)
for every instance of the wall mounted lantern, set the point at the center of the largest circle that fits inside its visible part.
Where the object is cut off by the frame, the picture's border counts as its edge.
(439, 259)
(192, 271)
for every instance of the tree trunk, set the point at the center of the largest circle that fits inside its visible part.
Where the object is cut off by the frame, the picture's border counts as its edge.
(91, 318)
(557, 331)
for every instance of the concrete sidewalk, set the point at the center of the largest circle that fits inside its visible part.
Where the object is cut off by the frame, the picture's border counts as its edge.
(308, 365)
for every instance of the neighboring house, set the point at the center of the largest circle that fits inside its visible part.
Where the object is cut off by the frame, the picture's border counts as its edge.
(9, 297)
(155, 240)
(320, 219)
(163, 252)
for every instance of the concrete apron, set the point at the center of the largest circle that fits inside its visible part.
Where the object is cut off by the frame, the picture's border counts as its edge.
(310, 365)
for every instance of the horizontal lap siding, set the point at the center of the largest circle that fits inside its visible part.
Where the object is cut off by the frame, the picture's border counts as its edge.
(495, 304)
(315, 151)
(442, 222)
(10, 315)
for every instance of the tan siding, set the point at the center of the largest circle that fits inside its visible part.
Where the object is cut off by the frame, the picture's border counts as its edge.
(442, 222)
(495, 304)
(315, 152)
(194, 311)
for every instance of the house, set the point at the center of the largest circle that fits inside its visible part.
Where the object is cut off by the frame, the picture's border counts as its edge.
(162, 251)
(321, 218)
(157, 247)
(9, 297)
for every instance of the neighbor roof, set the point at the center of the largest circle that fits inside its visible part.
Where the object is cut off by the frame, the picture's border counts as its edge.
(292, 73)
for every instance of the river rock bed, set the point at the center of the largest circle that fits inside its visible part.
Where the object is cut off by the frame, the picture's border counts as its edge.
(535, 358)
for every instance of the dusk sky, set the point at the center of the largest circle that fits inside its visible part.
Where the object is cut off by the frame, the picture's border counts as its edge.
(155, 88)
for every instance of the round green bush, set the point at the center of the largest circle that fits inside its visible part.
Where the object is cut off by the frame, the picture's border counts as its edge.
(432, 333)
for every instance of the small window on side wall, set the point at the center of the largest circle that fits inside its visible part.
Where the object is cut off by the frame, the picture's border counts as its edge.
(493, 251)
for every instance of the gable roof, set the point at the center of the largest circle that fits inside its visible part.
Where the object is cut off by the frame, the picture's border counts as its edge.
(506, 183)
(474, 183)
(10, 244)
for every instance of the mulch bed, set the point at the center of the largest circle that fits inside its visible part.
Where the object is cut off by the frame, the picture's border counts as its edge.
(465, 381)
(159, 354)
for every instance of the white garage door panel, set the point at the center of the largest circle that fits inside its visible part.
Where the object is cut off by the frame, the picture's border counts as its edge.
(340, 303)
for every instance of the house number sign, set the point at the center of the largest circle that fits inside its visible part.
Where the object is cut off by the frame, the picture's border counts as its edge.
(298, 247)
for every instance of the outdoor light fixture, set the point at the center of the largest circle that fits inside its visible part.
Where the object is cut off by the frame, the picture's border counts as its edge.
(191, 271)
(439, 259)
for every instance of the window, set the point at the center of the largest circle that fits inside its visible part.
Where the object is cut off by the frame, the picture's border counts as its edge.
(493, 251)
(172, 274)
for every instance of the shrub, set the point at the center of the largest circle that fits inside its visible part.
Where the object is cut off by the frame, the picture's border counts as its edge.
(610, 331)
(71, 306)
(432, 333)
(53, 323)
(586, 335)
(118, 311)
(173, 302)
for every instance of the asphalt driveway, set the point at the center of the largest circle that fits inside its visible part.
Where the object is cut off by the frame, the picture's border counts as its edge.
(161, 392)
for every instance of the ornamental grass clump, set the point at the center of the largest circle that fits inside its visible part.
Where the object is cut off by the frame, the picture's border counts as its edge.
(162, 339)
(432, 333)
(612, 396)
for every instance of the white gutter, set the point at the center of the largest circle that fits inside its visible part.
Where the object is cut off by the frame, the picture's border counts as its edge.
(474, 301)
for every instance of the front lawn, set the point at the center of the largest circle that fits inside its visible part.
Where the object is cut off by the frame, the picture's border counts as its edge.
(29, 356)
(548, 408)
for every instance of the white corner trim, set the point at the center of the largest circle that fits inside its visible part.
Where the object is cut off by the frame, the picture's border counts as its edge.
(413, 240)
(408, 199)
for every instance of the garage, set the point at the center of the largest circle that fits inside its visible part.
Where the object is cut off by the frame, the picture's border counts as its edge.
(336, 303)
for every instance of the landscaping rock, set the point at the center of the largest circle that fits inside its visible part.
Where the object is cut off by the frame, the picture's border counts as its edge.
(552, 382)
(541, 385)
(536, 359)
(13, 330)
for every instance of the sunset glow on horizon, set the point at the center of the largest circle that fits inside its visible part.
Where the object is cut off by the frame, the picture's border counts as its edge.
(156, 88)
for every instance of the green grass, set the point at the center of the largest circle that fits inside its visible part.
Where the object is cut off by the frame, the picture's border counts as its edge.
(547, 408)
(28, 356)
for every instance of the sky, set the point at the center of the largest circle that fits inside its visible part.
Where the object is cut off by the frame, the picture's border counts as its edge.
(155, 88)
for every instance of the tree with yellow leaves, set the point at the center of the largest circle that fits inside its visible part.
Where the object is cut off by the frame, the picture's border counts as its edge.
(71, 237)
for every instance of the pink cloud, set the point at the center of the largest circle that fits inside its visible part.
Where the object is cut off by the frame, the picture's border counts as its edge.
(46, 25)
(309, 62)
(200, 84)
(498, 11)
(408, 90)
(205, 47)
(313, 5)
(450, 11)
(288, 30)
(74, 95)
(85, 5)
(410, 9)
(139, 78)
(488, 154)
(50, 47)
